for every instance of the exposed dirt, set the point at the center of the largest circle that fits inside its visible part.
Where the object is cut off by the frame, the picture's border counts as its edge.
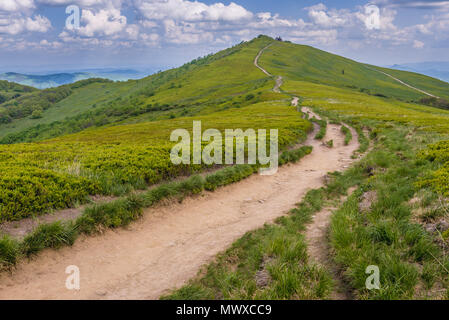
(19, 229)
(256, 61)
(367, 200)
(279, 81)
(295, 101)
(170, 243)
(318, 248)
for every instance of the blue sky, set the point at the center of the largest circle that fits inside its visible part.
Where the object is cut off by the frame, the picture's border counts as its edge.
(157, 34)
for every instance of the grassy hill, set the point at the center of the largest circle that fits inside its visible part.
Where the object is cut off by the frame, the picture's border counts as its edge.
(299, 62)
(115, 119)
(11, 90)
(98, 137)
(220, 81)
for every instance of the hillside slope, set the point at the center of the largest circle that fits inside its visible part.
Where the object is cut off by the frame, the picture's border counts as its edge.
(218, 81)
(384, 206)
(299, 62)
(224, 80)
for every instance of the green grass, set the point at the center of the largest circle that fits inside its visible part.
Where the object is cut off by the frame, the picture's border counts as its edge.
(387, 235)
(308, 64)
(348, 135)
(124, 210)
(112, 138)
(323, 128)
(360, 105)
(219, 81)
(115, 160)
(269, 263)
(278, 252)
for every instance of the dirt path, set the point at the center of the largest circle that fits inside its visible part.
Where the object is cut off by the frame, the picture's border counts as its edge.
(406, 84)
(170, 243)
(256, 60)
(279, 83)
(295, 101)
(318, 248)
(279, 80)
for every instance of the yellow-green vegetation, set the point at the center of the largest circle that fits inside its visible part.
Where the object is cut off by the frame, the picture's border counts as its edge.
(124, 210)
(412, 262)
(361, 105)
(131, 149)
(57, 173)
(225, 80)
(438, 179)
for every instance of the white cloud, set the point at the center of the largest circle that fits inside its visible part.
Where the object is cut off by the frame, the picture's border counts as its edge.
(191, 11)
(418, 44)
(16, 5)
(84, 3)
(15, 24)
(185, 33)
(105, 22)
(183, 22)
(328, 18)
(326, 37)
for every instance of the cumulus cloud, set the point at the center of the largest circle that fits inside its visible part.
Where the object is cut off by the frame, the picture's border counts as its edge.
(191, 11)
(104, 22)
(320, 15)
(15, 24)
(183, 22)
(16, 5)
(325, 37)
(84, 3)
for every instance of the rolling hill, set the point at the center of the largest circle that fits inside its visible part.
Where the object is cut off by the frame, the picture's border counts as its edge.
(57, 79)
(99, 139)
(204, 85)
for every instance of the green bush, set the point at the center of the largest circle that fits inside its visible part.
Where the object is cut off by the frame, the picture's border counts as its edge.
(9, 252)
(54, 235)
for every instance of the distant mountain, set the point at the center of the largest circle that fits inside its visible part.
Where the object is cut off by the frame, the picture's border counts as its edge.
(438, 70)
(58, 79)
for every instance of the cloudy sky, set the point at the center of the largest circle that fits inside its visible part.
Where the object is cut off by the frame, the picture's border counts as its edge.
(39, 35)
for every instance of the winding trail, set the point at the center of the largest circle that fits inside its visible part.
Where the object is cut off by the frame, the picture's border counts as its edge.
(279, 80)
(170, 244)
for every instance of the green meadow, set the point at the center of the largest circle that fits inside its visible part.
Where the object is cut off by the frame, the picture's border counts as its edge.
(60, 147)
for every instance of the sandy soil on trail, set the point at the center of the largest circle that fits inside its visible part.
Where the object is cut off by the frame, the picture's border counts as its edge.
(295, 101)
(278, 81)
(256, 61)
(170, 243)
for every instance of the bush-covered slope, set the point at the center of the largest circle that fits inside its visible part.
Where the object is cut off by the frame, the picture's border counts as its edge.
(11, 90)
(57, 173)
